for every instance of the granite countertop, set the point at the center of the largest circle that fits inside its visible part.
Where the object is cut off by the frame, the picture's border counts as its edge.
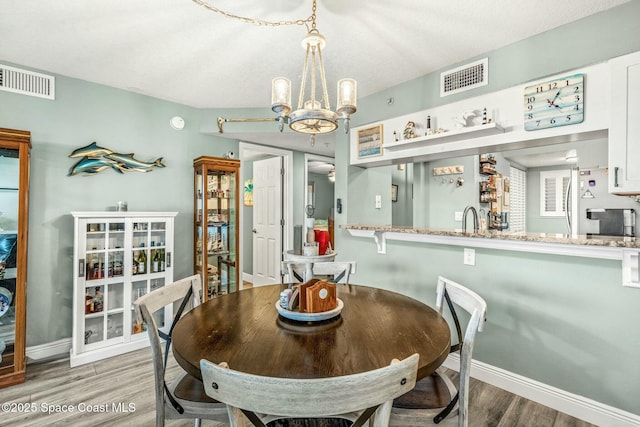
(609, 241)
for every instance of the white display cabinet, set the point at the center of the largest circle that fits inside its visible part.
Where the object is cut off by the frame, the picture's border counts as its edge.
(117, 257)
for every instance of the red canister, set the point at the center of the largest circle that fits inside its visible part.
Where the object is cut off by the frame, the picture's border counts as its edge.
(322, 237)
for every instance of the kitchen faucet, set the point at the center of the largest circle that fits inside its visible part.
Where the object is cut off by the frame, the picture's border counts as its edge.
(476, 226)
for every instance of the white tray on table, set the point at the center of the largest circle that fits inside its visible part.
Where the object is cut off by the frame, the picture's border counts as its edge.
(310, 317)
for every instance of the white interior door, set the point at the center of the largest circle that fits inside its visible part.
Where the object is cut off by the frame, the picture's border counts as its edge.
(267, 221)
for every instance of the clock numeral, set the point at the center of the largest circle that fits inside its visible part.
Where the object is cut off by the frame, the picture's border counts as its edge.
(529, 107)
(577, 107)
(576, 89)
(552, 121)
(567, 82)
(577, 97)
(530, 116)
(539, 89)
(569, 118)
(538, 123)
(531, 100)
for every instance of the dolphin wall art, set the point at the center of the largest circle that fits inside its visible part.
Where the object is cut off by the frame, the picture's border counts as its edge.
(95, 159)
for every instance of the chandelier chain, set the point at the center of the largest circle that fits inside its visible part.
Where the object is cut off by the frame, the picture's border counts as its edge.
(262, 22)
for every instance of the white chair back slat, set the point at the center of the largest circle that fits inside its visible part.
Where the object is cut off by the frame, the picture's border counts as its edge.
(476, 306)
(148, 305)
(275, 398)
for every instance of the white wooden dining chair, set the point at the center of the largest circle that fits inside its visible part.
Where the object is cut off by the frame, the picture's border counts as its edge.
(436, 397)
(362, 397)
(185, 396)
(336, 271)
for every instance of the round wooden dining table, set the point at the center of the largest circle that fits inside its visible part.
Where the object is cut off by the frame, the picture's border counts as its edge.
(375, 326)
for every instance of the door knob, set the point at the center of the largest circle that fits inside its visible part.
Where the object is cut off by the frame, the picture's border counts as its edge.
(255, 231)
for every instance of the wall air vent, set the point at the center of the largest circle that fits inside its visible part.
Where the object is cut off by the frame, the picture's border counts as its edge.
(463, 78)
(27, 82)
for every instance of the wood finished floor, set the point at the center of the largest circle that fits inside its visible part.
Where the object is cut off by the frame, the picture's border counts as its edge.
(128, 379)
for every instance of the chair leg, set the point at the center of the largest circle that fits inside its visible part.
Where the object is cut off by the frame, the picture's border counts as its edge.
(197, 422)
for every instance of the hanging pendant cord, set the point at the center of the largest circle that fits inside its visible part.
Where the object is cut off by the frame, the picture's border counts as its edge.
(261, 22)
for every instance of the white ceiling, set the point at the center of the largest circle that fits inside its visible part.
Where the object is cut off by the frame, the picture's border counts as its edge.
(179, 51)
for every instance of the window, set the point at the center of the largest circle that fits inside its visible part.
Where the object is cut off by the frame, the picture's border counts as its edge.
(553, 192)
(518, 197)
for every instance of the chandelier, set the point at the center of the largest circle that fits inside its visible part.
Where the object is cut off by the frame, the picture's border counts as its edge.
(313, 114)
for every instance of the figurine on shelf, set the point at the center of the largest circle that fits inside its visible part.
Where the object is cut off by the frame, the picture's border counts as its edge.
(463, 121)
(410, 130)
(429, 130)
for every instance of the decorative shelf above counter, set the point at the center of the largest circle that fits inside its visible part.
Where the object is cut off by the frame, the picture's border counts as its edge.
(449, 136)
(384, 143)
(625, 249)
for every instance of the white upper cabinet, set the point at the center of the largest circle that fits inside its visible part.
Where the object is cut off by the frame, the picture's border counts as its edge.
(624, 129)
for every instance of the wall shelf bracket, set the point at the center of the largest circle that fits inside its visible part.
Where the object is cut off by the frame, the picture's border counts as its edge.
(381, 241)
(631, 268)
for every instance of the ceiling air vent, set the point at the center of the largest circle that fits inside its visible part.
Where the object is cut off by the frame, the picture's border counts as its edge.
(464, 78)
(27, 82)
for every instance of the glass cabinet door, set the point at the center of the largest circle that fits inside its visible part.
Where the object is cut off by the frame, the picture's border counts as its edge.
(118, 258)
(14, 196)
(199, 226)
(104, 282)
(138, 289)
(216, 224)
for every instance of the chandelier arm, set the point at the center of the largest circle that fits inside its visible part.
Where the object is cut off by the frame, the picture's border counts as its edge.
(325, 93)
(305, 69)
(222, 121)
(314, 70)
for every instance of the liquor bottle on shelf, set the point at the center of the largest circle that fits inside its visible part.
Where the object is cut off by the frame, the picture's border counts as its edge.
(93, 267)
(88, 303)
(156, 261)
(142, 261)
(163, 261)
(97, 300)
(117, 265)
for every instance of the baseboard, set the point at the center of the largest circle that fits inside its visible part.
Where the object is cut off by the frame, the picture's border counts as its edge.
(572, 404)
(246, 277)
(50, 350)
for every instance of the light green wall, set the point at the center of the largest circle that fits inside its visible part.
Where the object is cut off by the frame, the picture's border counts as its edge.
(446, 198)
(323, 189)
(402, 209)
(299, 192)
(247, 220)
(124, 122)
(564, 321)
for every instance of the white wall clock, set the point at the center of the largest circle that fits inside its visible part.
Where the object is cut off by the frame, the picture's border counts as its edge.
(557, 102)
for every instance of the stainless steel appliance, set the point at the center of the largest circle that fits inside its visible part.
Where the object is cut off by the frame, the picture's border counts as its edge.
(614, 222)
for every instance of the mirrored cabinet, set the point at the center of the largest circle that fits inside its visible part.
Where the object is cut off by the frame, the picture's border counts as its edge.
(15, 147)
(216, 222)
(118, 257)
